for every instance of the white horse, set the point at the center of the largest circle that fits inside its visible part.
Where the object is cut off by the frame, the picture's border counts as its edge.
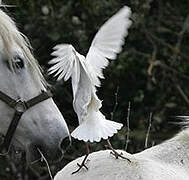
(167, 161)
(41, 127)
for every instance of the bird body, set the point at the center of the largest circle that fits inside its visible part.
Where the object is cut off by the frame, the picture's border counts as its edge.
(85, 73)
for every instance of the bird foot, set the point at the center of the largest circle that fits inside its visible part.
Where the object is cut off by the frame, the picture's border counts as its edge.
(117, 155)
(82, 165)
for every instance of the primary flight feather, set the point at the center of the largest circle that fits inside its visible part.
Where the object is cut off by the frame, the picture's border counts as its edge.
(85, 73)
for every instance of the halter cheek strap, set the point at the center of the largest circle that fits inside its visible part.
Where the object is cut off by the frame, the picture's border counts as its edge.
(20, 108)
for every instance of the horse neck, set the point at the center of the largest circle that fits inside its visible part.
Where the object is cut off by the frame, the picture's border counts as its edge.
(174, 151)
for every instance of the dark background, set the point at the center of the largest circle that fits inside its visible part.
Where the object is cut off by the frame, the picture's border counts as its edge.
(151, 72)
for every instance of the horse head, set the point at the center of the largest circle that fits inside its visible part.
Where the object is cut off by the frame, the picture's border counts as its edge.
(41, 127)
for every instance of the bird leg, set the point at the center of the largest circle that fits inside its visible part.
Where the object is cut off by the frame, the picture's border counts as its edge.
(115, 153)
(84, 160)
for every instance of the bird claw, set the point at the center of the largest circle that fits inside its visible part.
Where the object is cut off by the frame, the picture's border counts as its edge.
(82, 165)
(117, 155)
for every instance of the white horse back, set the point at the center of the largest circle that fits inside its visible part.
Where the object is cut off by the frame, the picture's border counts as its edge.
(104, 166)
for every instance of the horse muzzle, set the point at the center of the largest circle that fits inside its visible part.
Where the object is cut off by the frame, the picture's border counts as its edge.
(51, 152)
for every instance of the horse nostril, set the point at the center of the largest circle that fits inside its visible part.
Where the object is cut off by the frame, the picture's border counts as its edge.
(66, 142)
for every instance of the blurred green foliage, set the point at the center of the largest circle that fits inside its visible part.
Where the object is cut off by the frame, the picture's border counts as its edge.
(152, 72)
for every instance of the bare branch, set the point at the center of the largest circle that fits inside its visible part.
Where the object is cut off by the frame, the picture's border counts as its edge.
(178, 87)
(43, 158)
(169, 46)
(148, 131)
(158, 62)
(128, 127)
(116, 103)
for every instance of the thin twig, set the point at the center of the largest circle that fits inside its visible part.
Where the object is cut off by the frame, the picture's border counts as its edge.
(161, 41)
(128, 126)
(6, 5)
(182, 93)
(135, 51)
(159, 62)
(116, 103)
(148, 131)
(43, 158)
(154, 45)
(178, 43)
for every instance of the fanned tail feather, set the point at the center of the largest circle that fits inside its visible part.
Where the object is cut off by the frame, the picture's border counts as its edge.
(95, 128)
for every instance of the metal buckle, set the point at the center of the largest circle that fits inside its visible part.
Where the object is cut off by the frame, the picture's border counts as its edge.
(20, 106)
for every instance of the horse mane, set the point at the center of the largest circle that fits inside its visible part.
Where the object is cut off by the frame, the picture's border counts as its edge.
(11, 35)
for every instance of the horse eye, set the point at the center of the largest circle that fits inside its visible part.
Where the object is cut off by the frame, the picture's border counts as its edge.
(18, 62)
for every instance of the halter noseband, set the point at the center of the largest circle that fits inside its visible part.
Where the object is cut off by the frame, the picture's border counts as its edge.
(20, 108)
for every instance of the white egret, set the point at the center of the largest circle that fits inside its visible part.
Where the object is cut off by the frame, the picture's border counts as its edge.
(85, 73)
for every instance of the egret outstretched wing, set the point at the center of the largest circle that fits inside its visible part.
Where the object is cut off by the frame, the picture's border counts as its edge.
(107, 43)
(64, 61)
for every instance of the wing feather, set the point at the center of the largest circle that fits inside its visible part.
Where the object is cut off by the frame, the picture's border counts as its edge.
(107, 43)
(63, 63)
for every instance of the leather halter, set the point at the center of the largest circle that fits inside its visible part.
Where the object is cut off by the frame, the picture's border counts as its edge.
(20, 108)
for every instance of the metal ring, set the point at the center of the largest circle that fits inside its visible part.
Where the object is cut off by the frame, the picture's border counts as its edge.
(20, 106)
